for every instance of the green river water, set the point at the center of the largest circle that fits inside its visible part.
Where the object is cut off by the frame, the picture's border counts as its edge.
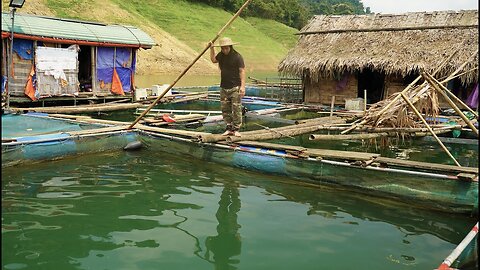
(146, 210)
(150, 210)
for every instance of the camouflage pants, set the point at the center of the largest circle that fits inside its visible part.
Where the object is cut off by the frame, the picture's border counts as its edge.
(231, 103)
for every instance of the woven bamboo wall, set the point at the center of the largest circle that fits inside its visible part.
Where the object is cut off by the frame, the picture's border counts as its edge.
(21, 69)
(393, 84)
(322, 91)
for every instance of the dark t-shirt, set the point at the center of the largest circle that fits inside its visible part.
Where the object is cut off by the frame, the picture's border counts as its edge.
(229, 68)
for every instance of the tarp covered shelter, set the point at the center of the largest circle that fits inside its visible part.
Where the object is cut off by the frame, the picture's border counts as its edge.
(63, 57)
(343, 55)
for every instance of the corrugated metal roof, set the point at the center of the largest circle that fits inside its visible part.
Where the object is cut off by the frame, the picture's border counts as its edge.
(51, 27)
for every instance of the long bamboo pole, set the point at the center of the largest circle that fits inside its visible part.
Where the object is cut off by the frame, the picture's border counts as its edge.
(403, 91)
(193, 62)
(441, 89)
(429, 128)
(453, 75)
(362, 136)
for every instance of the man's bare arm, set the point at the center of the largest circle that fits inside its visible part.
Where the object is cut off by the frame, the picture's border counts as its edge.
(242, 81)
(212, 54)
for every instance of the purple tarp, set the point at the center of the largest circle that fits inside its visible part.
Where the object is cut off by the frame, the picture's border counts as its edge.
(472, 100)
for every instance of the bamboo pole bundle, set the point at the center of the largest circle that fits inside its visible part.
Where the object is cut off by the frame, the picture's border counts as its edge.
(362, 136)
(370, 129)
(386, 104)
(82, 108)
(429, 128)
(373, 135)
(441, 89)
(274, 133)
(186, 133)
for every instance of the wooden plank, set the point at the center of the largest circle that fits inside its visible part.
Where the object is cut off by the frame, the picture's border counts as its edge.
(425, 165)
(187, 133)
(315, 153)
(339, 137)
(81, 109)
(343, 155)
(272, 145)
(468, 176)
(98, 130)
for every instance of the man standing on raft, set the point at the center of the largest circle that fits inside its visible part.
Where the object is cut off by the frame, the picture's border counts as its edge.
(232, 70)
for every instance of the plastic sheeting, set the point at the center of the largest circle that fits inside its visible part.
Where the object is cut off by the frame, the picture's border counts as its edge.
(120, 58)
(57, 71)
(472, 100)
(14, 125)
(24, 48)
(4, 82)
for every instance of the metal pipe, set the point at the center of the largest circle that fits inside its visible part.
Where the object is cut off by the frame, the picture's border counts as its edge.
(10, 69)
(441, 176)
(459, 249)
(66, 138)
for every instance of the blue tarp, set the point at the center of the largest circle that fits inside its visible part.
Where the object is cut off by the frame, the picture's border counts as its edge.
(105, 64)
(263, 163)
(4, 82)
(24, 48)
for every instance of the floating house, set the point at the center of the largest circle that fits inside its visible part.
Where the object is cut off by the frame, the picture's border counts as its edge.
(55, 57)
(344, 55)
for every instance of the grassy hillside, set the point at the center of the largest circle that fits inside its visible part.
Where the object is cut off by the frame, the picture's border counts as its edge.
(281, 33)
(196, 23)
(179, 25)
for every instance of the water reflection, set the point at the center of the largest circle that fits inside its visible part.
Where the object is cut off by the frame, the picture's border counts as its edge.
(147, 210)
(227, 243)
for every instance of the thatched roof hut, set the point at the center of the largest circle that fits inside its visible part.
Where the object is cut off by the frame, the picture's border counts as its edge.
(401, 44)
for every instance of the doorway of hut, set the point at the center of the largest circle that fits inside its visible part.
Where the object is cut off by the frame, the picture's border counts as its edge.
(374, 82)
(85, 68)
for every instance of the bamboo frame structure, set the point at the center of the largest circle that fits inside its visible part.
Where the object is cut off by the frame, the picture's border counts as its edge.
(429, 128)
(436, 85)
(404, 91)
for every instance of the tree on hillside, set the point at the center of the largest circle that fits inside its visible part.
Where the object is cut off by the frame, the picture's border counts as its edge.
(294, 13)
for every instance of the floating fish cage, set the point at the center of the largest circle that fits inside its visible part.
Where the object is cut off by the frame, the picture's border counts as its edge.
(34, 137)
(393, 173)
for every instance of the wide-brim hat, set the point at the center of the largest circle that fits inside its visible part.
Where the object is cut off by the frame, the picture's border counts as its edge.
(225, 42)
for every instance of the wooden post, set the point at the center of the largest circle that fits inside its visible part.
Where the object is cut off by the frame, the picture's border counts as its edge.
(364, 101)
(191, 64)
(440, 89)
(429, 128)
(332, 105)
(93, 53)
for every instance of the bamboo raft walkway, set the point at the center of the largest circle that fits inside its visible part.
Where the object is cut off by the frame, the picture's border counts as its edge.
(111, 106)
(252, 138)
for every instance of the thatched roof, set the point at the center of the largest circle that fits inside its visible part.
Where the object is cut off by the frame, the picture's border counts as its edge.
(400, 43)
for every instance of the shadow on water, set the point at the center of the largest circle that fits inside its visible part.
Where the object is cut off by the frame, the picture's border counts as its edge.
(149, 210)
